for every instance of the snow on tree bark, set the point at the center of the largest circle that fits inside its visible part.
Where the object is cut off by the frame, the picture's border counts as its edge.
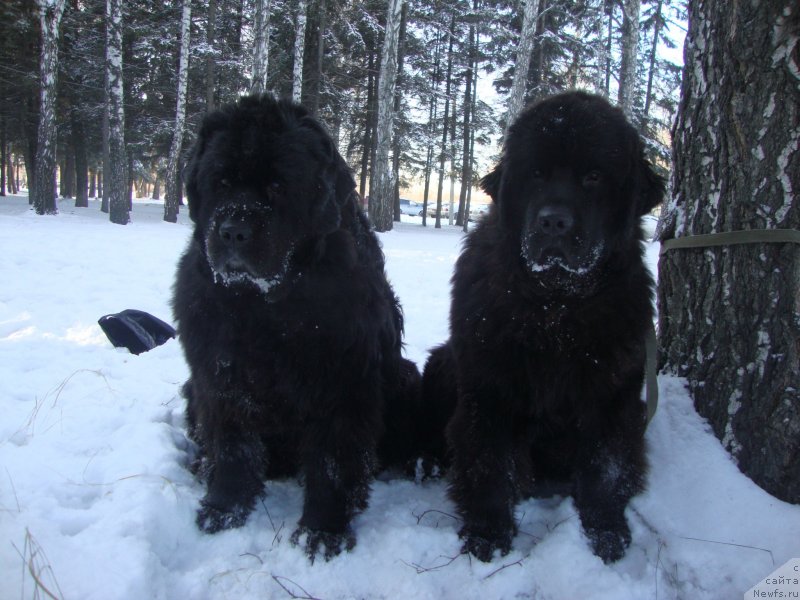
(44, 192)
(173, 191)
(381, 190)
(523, 62)
(116, 180)
(730, 317)
(261, 46)
(630, 43)
(299, 50)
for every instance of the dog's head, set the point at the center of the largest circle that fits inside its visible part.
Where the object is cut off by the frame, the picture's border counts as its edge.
(571, 186)
(264, 182)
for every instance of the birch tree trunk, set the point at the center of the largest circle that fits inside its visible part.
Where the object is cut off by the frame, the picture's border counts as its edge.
(630, 43)
(729, 317)
(381, 190)
(44, 192)
(299, 49)
(261, 46)
(516, 99)
(172, 185)
(115, 174)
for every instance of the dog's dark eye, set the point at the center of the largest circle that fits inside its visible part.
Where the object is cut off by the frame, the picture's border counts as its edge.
(592, 178)
(273, 188)
(224, 182)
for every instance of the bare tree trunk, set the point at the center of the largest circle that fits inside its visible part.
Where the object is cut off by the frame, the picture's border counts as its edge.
(446, 122)
(630, 43)
(81, 161)
(68, 171)
(465, 226)
(398, 101)
(313, 87)
(211, 61)
(44, 200)
(433, 109)
(728, 316)
(523, 61)
(381, 190)
(261, 46)
(466, 160)
(172, 185)
(651, 71)
(116, 181)
(3, 152)
(299, 49)
(369, 123)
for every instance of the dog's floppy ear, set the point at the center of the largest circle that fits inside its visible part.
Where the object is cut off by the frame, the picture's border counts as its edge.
(491, 183)
(212, 122)
(651, 188)
(337, 181)
(343, 181)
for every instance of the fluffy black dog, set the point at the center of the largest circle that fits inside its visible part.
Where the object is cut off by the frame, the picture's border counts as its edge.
(551, 302)
(290, 329)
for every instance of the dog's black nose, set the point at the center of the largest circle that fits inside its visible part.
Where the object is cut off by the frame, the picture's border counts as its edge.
(555, 221)
(235, 232)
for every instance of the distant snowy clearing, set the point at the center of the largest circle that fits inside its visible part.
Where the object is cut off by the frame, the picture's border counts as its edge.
(96, 500)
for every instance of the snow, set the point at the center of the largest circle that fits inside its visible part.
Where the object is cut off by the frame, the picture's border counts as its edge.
(96, 500)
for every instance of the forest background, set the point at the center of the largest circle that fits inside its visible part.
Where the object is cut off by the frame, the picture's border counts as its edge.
(127, 83)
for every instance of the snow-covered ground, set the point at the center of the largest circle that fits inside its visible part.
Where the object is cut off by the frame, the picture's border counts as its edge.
(96, 501)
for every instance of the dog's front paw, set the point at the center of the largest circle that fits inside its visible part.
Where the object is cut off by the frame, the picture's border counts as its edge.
(212, 519)
(609, 542)
(483, 545)
(326, 543)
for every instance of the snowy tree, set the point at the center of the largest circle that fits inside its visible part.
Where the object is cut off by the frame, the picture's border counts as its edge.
(44, 200)
(299, 49)
(173, 191)
(115, 171)
(728, 315)
(516, 99)
(260, 46)
(382, 188)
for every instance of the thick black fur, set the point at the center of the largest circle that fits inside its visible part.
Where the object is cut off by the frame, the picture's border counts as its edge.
(290, 329)
(551, 301)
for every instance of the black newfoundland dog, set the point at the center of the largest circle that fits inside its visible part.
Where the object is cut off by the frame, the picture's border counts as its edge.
(551, 303)
(290, 329)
